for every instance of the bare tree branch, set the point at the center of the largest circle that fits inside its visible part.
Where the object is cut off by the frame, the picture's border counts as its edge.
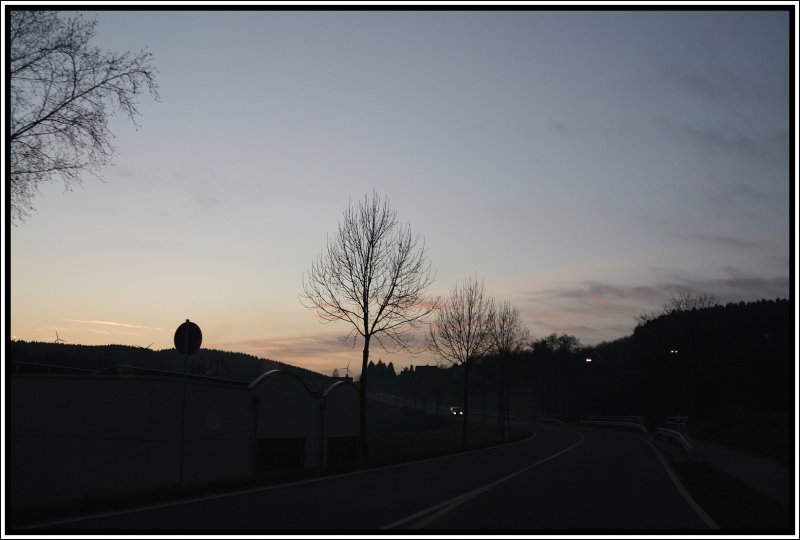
(62, 92)
(372, 275)
(462, 331)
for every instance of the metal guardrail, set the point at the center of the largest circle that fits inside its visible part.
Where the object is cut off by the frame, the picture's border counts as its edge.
(637, 423)
(676, 436)
(549, 419)
(629, 422)
(639, 419)
(677, 422)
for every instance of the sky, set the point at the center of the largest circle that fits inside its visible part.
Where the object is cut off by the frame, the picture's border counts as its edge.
(584, 164)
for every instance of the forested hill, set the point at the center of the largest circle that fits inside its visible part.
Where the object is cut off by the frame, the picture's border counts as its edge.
(707, 361)
(229, 365)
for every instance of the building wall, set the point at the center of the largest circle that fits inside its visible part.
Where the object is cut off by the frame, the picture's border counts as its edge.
(287, 410)
(70, 436)
(73, 435)
(341, 400)
(341, 443)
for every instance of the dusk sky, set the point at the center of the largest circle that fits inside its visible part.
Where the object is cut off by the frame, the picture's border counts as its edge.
(584, 164)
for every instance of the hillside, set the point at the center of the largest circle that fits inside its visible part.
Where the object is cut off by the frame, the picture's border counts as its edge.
(93, 358)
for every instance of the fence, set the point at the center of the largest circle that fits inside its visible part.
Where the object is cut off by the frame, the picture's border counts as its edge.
(429, 407)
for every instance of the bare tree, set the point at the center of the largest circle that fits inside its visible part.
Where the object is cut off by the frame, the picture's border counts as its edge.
(62, 92)
(682, 300)
(508, 335)
(372, 275)
(646, 316)
(461, 331)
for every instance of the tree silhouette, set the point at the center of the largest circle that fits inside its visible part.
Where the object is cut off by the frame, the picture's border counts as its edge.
(461, 331)
(62, 91)
(680, 300)
(508, 334)
(371, 275)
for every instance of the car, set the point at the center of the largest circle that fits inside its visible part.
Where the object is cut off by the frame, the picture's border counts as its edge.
(456, 411)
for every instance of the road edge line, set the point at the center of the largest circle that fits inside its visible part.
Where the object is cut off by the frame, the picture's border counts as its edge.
(708, 520)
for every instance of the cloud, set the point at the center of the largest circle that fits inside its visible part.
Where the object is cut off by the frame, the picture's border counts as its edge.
(324, 351)
(741, 286)
(715, 139)
(725, 241)
(305, 346)
(593, 311)
(110, 323)
(714, 83)
(708, 138)
(319, 352)
(559, 127)
(694, 81)
(599, 311)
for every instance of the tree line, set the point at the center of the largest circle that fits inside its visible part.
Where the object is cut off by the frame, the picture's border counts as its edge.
(38, 357)
(710, 363)
(373, 275)
(695, 357)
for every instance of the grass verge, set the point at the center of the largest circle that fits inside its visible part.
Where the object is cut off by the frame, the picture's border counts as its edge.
(766, 435)
(732, 504)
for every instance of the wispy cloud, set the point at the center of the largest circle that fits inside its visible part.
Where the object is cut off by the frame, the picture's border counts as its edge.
(597, 311)
(110, 323)
(715, 139)
(559, 127)
(710, 139)
(694, 81)
(725, 241)
(321, 352)
(713, 83)
(298, 346)
(324, 351)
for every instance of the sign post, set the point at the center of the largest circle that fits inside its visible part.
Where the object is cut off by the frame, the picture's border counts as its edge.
(188, 338)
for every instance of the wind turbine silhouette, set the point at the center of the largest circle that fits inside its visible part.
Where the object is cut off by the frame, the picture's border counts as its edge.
(347, 370)
(58, 339)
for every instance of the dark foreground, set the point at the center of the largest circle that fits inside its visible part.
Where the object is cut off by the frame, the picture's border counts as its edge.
(561, 479)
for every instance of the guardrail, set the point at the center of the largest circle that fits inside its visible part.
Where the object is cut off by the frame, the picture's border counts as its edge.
(549, 419)
(637, 423)
(629, 422)
(638, 419)
(677, 422)
(676, 436)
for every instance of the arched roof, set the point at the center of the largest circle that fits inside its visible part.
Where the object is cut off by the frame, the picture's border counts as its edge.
(336, 384)
(267, 374)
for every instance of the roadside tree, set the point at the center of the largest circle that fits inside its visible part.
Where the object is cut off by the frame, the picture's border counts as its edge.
(508, 335)
(372, 275)
(461, 331)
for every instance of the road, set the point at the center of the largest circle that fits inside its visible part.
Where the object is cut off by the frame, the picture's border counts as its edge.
(561, 478)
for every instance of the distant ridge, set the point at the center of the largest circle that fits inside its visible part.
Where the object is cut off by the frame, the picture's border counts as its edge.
(93, 358)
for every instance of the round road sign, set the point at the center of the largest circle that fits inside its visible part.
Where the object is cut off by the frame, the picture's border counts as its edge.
(188, 338)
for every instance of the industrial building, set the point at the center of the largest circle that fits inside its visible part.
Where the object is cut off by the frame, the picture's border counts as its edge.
(71, 434)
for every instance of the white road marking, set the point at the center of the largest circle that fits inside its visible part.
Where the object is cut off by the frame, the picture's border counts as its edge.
(438, 510)
(710, 523)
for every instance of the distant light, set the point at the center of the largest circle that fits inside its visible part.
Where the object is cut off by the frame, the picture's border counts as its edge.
(588, 359)
(673, 351)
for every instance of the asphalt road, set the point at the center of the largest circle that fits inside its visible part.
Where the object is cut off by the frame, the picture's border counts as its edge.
(561, 478)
